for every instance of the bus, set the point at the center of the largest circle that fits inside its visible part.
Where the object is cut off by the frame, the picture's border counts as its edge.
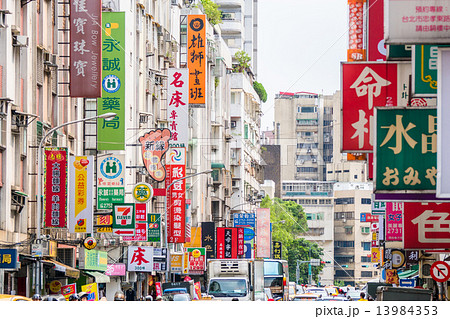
(276, 277)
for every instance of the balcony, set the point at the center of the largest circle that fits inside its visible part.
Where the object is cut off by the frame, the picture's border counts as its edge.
(230, 3)
(232, 27)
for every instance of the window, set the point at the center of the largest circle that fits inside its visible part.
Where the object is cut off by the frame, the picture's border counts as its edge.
(365, 230)
(366, 201)
(343, 215)
(344, 200)
(365, 259)
(344, 259)
(366, 274)
(348, 230)
(365, 245)
(344, 273)
(308, 109)
(345, 244)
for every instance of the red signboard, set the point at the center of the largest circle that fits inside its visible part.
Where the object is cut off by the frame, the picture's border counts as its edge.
(426, 225)
(376, 50)
(365, 86)
(85, 49)
(55, 187)
(228, 244)
(176, 205)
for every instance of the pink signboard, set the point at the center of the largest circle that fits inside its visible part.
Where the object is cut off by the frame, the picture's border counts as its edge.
(263, 231)
(394, 221)
(116, 270)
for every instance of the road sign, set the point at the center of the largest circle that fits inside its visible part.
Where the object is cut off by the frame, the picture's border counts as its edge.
(440, 271)
(315, 262)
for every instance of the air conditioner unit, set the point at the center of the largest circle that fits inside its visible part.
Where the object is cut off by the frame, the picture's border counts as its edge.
(214, 148)
(314, 160)
(20, 41)
(233, 124)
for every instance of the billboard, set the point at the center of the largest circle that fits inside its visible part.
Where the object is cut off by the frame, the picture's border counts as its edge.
(263, 233)
(426, 225)
(405, 153)
(196, 55)
(394, 221)
(85, 48)
(365, 86)
(417, 21)
(110, 181)
(81, 193)
(140, 258)
(55, 187)
(111, 133)
(178, 106)
(154, 146)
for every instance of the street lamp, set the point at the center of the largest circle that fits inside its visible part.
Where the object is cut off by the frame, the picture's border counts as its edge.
(106, 116)
(168, 274)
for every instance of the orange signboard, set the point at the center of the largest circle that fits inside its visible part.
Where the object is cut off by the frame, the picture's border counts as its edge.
(196, 59)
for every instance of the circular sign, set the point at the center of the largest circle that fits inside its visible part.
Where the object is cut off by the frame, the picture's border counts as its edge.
(196, 253)
(143, 192)
(90, 243)
(55, 286)
(196, 24)
(249, 234)
(440, 271)
(111, 83)
(111, 167)
(398, 258)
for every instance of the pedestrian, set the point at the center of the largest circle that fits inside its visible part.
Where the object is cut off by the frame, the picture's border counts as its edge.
(363, 296)
(36, 297)
(74, 297)
(83, 296)
(148, 298)
(158, 298)
(119, 296)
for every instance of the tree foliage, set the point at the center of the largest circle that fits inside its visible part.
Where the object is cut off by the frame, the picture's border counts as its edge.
(288, 223)
(212, 11)
(243, 61)
(259, 88)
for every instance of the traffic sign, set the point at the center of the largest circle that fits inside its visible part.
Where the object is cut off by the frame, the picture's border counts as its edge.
(440, 271)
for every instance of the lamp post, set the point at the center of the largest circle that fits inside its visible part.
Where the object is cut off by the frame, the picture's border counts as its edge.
(168, 274)
(106, 116)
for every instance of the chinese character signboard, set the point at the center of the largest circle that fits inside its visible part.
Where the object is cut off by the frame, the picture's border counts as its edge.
(228, 243)
(376, 50)
(394, 221)
(85, 48)
(178, 106)
(276, 250)
(93, 259)
(81, 210)
(378, 208)
(194, 260)
(417, 21)
(209, 238)
(141, 227)
(364, 87)
(406, 145)
(111, 133)
(140, 258)
(55, 187)
(110, 181)
(103, 223)
(426, 225)
(425, 66)
(244, 220)
(116, 269)
(356, 50)
(263, 233)
(124, 220)
(176, 195)
(8, 259)
(154, 145)
(196, 56)
(154, 228)
(91, 290)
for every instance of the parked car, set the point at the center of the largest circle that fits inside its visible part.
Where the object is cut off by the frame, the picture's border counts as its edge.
(176, 297)
(332, 298)
(353, 294)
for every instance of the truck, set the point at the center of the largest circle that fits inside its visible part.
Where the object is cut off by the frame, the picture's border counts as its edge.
(386, 293)
(172, 288)
(236, 279)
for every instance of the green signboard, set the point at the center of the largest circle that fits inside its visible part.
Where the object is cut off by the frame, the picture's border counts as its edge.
(154, 227)
(93, 259)
(425, 70)
(111, 133)
(406, 144)
(107, 196)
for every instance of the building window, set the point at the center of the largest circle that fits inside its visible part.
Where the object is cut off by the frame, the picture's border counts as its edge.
(344, 244)
(366, 201)
(365, 245)
(344, 200)
(348, 230)
(365, 230)
(344, 273)
(366, 274)
(365, 259)
(344, 259)
(343, 215)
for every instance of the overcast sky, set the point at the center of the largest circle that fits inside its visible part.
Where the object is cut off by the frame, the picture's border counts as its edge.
(300, 46)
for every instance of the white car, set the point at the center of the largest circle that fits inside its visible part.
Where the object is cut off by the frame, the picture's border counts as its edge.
(322, 292)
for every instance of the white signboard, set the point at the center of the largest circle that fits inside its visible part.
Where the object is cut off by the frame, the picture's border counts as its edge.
(140, 258)
(178, 106)
(81, 193)
(443, 129)
(418, 21)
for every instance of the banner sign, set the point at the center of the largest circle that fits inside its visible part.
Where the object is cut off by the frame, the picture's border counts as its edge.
(405, 152)
(196, 55)
(394, 221)
(55, 187)
(93, 259)
(111, 133)
(417, 21)
(227, 242)
(356, 50)
(244, 220)
(9, 259)
(85, 48)
(123, 220)
(176, 195)
(277, 250)
(141, 226)
(110, 181)
(376, 50)
(68, 290)
(426, 225)
(154, 227)
(196, 260)
(209, 239)
(81, 190)
(364, 87)
(91, 290)
(154, 145)
(140, 258)
(263, 231)
(178, 106)
(176, 262)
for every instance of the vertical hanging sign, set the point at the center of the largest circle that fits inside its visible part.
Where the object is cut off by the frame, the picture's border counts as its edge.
(81, 210)
(176, 195)
(111, 133)
(55, 187)
(196, 56)
(85, 48)
(263, 233)
(177, 108)
(356, 50)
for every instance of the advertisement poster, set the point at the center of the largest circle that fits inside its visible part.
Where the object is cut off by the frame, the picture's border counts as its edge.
(55, 187)
(81, 193)
(91, 290)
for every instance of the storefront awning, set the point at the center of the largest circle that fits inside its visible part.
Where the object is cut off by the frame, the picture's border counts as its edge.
(99, 277)
(69, 271)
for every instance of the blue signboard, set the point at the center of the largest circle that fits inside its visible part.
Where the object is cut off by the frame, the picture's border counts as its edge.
(249, 234)
(8, 259)
(362, 217)
(411, 282)
(248, 251)
(244, 219)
